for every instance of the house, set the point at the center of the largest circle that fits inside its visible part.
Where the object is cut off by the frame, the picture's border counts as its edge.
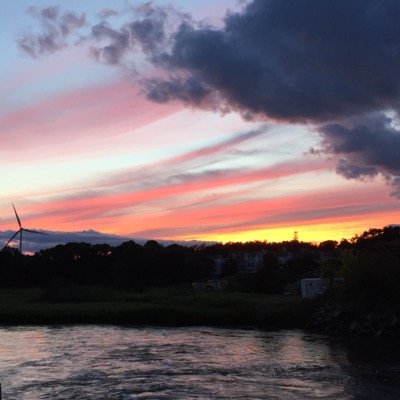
(311, 287)
(253, 262)
(249, 263)
(244, 263)
(284, 258)
(219, 263)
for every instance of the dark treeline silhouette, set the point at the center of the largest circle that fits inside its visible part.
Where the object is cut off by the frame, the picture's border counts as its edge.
(370, 267)
(368, 263)
(128, 266)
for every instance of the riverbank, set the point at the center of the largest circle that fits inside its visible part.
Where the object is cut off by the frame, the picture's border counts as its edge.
(164, 307)
(344, 320)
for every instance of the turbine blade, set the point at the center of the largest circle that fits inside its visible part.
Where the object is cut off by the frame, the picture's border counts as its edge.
(32, 231)
(16, 215)
(12, 238)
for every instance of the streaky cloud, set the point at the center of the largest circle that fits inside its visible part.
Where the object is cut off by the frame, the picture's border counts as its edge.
(80, 113)
(201, 156)
(95, 205)
(344, 205)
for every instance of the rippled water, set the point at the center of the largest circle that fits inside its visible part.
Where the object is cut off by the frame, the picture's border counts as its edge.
(96, 362)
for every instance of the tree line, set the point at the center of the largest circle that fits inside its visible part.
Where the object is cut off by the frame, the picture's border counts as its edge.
(128, 266)
(368, 263)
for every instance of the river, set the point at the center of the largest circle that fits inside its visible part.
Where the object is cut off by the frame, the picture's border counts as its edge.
(103, 362)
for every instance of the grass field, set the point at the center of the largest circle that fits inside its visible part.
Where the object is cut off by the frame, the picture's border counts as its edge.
(166, 307)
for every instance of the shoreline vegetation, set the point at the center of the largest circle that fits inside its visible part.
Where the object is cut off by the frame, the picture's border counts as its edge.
(182, 306)
(254, 284)
(158, 307)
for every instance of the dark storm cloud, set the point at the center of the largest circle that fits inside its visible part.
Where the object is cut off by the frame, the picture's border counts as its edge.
(188, 90)
(307, 60)
(46, 43)
(151, 28)
(334, 64)
(295, 60)
(148, 31)
(70, 22)
(118, 43)
(312, 61)
(365, 146)
(49, 13)
(55, 29)
(108, 12)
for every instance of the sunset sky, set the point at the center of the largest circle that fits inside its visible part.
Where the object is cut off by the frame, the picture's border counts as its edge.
(199, 119)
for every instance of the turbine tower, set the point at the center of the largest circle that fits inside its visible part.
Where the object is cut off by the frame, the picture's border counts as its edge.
(19, 231)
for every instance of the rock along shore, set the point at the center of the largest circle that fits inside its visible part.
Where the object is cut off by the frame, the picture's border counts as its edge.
(339, 320)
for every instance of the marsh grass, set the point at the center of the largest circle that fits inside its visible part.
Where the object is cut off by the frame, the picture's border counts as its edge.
(166, 307)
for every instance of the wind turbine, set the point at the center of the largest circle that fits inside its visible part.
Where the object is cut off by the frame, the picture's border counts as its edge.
(19, 231)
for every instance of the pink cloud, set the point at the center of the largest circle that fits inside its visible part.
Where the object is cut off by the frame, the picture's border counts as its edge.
(181, 161)
(98, 203)
(97, 112)
(336, 206)
(122, 212)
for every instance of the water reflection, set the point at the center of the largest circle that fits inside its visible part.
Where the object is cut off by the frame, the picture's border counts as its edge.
(94, 362)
